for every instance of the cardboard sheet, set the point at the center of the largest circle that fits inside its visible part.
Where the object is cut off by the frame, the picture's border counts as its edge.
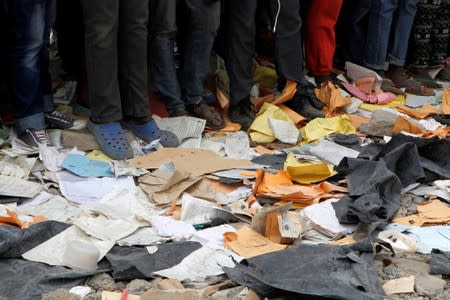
(419, 113)
(248, 243)
(446, 102)
(330, 95)
(434, 212)
(197, 161)
(405, 125)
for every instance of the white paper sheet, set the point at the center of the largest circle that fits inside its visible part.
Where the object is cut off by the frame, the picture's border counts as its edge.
(16, 187)
(284, 131)
(56, 208)
(52, 251)
(143, 237)
(213, 236)
(105, 229)
(171, 228)
(19, 167)
(324, 219)
(182, 127)
(237, 145)
(199, 265)
(330, 152)
(196, 211)
(83, 190)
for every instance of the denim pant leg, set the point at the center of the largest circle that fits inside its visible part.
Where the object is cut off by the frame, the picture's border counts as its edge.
(240, 47)
(46, 80)
(203, 25)
(25, 21)
(379, 28)
(163, 72)
(400, 31)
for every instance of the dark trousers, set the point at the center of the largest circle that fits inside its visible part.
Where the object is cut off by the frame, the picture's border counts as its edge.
(28, 25)
(200, 23)
(116, 58)
(287, 24)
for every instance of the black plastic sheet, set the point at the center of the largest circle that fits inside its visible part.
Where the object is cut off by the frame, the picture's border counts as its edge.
(325, 272)
(137, 263)
(15, 241)
(440, 262)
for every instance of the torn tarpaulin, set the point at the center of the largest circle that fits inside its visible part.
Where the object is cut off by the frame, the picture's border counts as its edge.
(15, 241)
(375, 186)
(137, 263)
(440, 262)
(433, 152)
(28, 280)
(306, 270)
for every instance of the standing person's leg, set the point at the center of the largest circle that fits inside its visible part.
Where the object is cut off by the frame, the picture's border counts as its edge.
(163, 72)
(320, 39)
(398, 46)
(377, 41)
(239, 59)
(53, 118)
(133, 72)
(288, 46)
(204, 17)
(440, 34)
(25, 22)
(101, 20)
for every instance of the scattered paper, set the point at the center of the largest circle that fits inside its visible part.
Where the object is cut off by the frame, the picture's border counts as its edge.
(237, 145)
(182, 127)
(52, 251)
(307, 172)
(124, 168)
(200, 264)
(81, 291)
(51, 158)
(324, 220)
(83, 190)
(143, 237)
(196, 211)
(284, 131)
(56, 208)
(19, 167)
(434, 212)
(321, 127)
(168, 227)
(248, 243)
(329, 151)
(212, 237)
(16, 187)
(105, 229)
(400, 285)
(85, 167)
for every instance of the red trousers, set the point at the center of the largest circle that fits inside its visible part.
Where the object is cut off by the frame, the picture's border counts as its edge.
(320, 39)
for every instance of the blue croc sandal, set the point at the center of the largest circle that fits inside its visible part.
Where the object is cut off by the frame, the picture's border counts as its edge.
(150, 132)
(111, 139)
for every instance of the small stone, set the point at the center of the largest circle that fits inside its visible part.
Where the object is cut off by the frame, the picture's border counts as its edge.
(59, 294)
(429, 285)
(101, 282)
(138, 286)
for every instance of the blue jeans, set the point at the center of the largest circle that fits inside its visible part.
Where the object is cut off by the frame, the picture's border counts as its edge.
(28, 32)
(389, 27)
(201, 26)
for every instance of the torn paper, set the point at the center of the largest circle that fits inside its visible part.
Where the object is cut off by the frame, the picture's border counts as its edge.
(196, 211)
(284, 131)
(16, 187)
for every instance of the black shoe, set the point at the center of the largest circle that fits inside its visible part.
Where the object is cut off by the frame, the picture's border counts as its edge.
(306, 91)
(242, 113)
(58, 120)
(202, 110)
(303, 106)
(178, 113)
(35, 138)
(329, 78)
